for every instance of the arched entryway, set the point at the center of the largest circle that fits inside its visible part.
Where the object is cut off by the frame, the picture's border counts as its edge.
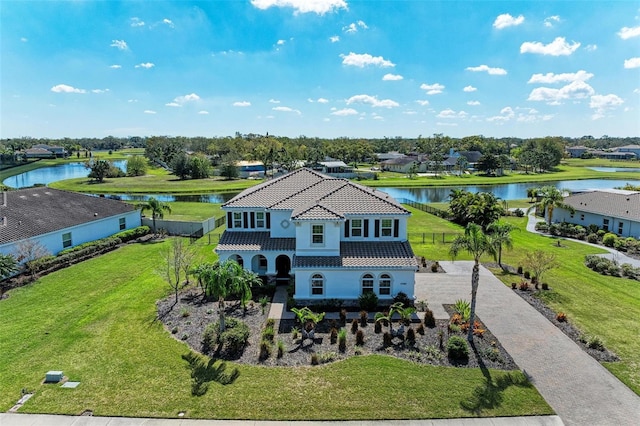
(283, 267)
(238, 259)
(259, 264)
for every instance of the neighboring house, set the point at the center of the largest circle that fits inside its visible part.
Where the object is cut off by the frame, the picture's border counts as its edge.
(250, 169)
(576, 151)
(336, 238)
(613, 210)
(403, 165)
(60, 219)
(630, 148)
(389, 155)
(335, 169)
(613, 155)
(38, 153)
(473, 158)
(57, 151)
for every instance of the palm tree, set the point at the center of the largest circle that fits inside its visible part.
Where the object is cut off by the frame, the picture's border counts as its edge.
(8, 265)
(476, 243)
(501, 233)
(157, 209)
(550, 197)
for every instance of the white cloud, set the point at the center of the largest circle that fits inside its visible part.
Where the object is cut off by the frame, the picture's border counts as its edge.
(574, 90)
(344, 112)
(286, 109)
(550, 78)
(132, 100)
(632, 63)
(558, 47)
(319, 7)
(473, 103)
(136, 22)
(274, 101)
(242, 104)
(423, 102)
(548, 22)
(505, 20)
(24, 39)
(449, 124)
(603, 103)
(334, 39)
(168, 22)
(203, 112)
(322, 101)
(469, 89)
(372, 100)
(488, 69)
(354, 26)
(146, 65)
(119, 44)
(362, 60)
(392, 77)
(591, 47)
(115, 67)
(99, 91)
(148, 111)
(449, 113)
(63, 88)
(187, 98)
(173, 104)
(410, 112)
(506, 114)
(281, 42)
(626, 32)
(432, 89)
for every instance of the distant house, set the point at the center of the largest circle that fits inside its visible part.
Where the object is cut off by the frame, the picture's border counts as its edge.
(403, 165)
(614, 155)
(473, 158)
(613, 210)
(576, 151)
(389, 155)
(635, 149)
(334, 168)
(250, 169)
(42, 149)
(336, 238)
(60, 219)
(38, 153)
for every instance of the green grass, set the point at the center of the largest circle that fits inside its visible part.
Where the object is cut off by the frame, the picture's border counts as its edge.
(189, 211)
(96, 321)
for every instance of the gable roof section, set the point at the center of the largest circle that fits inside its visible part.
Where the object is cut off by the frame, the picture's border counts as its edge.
(37, 211)
(619, 204)
(372, 255)
(315, 212)
(303, 189)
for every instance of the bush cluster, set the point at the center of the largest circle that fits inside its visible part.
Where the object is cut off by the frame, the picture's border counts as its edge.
(606, 266)
(232, 340)
(457, 348)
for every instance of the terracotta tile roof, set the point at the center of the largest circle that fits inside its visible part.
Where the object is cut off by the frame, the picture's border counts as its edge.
(254, 241)
(36, 211)
(374, 255)
(618, 204)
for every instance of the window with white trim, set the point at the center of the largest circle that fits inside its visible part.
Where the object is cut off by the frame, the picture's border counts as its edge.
(385, 285)
(123, 223)
(356, 227)
(317, 285)
(317, 234)
(367, 283)
(237, 220)
(259, 219)
(386, 227)
(66, 240)
(620, 227)
(605, 224)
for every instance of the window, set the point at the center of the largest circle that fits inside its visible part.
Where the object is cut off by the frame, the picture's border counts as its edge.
(620, 227)
(571, 215)
(385, 285)
(317, 285)
(237, 220)
(123, 223)
(262, 262)
(367, 284)
(356, 227)
(259, 219)
(605, 224)
(66, 240)
(582, 217)
(317, 234)
(386, 227)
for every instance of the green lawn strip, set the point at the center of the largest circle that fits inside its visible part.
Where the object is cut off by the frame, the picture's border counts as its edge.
(96, 322)
(599, 305)
(188, 211)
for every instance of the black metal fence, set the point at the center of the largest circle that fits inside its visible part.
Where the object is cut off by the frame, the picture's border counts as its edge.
(220, 221)
(425, 208)
(432, 237)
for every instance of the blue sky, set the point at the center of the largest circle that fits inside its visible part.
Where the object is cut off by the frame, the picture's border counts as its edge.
(325, 68)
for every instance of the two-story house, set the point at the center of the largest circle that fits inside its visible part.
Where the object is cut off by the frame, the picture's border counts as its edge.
(336, 238)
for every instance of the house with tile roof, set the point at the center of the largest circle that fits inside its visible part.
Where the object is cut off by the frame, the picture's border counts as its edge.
(335, 238)
(59, 219)
(613, 210)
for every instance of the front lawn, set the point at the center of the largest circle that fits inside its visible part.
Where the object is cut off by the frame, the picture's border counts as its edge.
(96, 321)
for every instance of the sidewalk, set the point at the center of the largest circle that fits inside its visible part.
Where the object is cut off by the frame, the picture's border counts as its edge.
(51, 420)
(578, 388)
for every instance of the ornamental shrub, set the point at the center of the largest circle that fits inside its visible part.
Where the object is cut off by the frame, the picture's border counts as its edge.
(609, 239)
(457, 348)
(368, 301)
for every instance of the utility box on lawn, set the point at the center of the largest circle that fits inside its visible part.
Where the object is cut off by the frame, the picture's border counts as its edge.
(53, 376)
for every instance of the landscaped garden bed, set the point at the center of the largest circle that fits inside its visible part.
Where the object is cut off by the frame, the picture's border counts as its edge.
(285, 346)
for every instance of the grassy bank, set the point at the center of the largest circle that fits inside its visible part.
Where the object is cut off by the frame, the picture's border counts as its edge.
(96, 321)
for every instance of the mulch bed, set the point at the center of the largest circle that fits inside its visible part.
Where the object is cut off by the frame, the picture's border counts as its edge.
(426, 349)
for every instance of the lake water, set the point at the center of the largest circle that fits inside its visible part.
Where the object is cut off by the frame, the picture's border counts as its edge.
(46, 175)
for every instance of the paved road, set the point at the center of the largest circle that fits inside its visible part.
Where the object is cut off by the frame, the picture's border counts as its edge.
(578, 388)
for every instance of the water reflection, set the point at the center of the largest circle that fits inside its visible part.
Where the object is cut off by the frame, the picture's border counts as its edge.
(47, 175)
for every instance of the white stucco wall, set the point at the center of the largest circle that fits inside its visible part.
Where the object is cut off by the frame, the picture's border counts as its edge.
(281, 225)
(346, 284)
(629, 228)
(330, 246)
(80, 234)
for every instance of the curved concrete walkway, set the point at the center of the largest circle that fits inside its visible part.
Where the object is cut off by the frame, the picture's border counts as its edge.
(576, 386)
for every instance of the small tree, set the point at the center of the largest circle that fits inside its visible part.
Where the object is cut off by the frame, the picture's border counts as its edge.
(28, 252)
(99, 169)
(136, 166)
(175, 256)
(8, 266)
(308, 321)
(157, 209)
(501, 233)
(539, 262)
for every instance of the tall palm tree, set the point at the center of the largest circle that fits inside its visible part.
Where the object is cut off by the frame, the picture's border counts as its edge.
(157, 209)
(8, 265)
(550, 198)
(501, 233)
(476, 243)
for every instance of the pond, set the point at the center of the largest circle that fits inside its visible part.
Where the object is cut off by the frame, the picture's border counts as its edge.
(46, 175)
